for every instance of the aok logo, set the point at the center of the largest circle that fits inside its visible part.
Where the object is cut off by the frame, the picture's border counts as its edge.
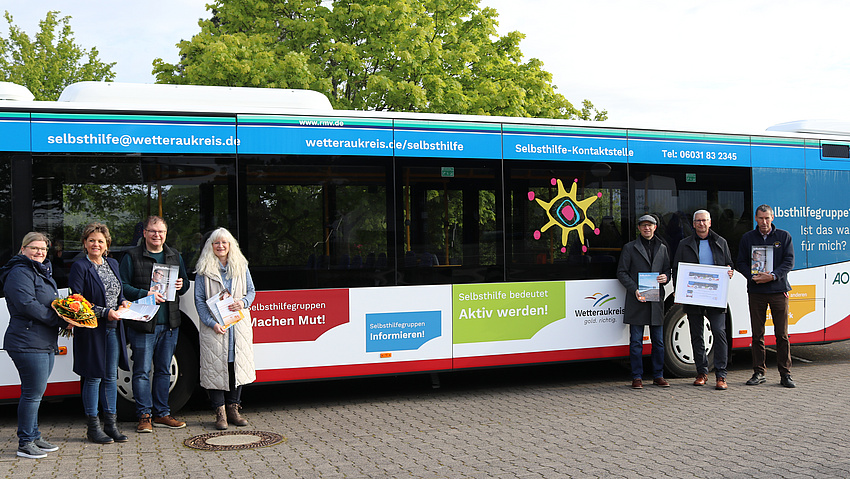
(841, 278)
(566, 212)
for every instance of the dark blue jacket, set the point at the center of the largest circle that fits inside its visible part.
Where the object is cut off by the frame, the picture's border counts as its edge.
(783, 259)
(90, 343)
(29, 289)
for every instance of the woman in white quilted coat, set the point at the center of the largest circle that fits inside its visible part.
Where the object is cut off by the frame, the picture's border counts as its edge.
(227, 349)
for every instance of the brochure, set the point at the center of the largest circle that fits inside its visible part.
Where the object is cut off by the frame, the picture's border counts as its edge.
(762, 259)
(141, 310)
(648, 287)
(164, 280)
(702, 285)
(219, 306)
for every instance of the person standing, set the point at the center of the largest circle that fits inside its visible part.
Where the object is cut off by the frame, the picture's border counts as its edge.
(227, 355)
(645, 254)
(768, 289)
(30, 338)
(706, 247)
(97, 350)
(153, 342)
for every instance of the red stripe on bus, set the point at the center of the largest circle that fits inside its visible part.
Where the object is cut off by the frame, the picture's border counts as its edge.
(69, 388)
(543, 357)
(351, 370)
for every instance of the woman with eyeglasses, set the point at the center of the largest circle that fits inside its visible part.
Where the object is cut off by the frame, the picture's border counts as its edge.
(227, 349)
(97, 350)
(31, 335)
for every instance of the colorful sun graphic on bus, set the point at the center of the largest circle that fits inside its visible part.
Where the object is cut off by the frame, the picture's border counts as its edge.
(566, 212)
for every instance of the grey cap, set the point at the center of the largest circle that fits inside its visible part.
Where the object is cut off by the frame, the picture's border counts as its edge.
(648, 218)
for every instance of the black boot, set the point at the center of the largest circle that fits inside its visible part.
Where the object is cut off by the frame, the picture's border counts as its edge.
(111, 428)
(95, 433)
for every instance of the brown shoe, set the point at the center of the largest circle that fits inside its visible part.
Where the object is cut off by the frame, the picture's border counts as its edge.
(233, 415)
(637, 383)
(661, 382)
(220, 418)
(701, 380)
(168, 421)
(144, 424)
(721, 384)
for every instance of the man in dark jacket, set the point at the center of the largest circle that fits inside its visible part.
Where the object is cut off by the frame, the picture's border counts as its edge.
(706, 247)
(647, 254)
(768, 289)
(153, 342)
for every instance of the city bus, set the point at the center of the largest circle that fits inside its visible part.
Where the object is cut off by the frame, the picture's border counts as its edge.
(387, 243)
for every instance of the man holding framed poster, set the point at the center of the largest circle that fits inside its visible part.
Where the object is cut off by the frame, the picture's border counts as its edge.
(765, 257)
(646, 254)
(705, 247)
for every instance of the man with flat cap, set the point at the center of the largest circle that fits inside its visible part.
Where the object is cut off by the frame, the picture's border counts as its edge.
(646, 254)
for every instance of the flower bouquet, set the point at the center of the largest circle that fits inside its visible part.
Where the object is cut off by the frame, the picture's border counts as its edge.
(76, 310)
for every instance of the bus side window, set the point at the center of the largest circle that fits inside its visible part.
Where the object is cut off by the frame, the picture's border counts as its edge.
(450, 217)
(565, 219)
(316, 222)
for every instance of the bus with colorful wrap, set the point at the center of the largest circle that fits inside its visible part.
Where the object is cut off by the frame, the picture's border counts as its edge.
(386, 243)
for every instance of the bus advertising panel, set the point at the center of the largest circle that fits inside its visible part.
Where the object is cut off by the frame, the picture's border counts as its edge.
(309, 135)
(69, 133)
(442, 139)
(521, 318)
(681, 149)
(527, 142)
(319, 333)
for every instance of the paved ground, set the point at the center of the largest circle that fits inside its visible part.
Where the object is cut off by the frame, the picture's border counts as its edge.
(577, 420)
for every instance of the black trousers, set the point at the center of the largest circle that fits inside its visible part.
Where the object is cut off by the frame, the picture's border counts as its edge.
(219, 398)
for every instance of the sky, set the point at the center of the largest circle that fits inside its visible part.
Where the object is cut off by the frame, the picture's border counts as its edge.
(722, 65)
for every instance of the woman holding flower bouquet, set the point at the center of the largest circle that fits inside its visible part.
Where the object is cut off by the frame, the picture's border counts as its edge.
(31, 335)
(227, 353)
(97, 350)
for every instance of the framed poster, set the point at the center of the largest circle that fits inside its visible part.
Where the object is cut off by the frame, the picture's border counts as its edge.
(702, 285)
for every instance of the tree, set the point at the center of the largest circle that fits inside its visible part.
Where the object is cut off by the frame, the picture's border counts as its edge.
(440, 56)
(49, 62)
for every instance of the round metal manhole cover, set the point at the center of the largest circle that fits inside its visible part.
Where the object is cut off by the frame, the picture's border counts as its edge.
(233, 440)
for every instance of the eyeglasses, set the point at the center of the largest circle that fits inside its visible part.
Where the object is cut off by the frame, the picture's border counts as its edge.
(157, 232)
(38, 248)
(701, 221)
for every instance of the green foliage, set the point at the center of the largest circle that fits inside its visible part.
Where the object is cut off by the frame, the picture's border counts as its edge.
(51, 61)
(439, 56)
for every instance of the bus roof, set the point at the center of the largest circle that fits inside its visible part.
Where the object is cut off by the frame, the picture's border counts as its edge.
(202, 99)
(817, 127)
(14, 92)
(148, 94)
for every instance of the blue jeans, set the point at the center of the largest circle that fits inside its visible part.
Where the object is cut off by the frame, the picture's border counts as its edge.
(154, 349)
(717, 320)
(656, 335)
(107, 387)
(33, 369)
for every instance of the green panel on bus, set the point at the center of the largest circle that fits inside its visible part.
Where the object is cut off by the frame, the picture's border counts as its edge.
(505, 311)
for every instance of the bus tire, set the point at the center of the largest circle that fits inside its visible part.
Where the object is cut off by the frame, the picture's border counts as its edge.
(185, 376)
(678, 352)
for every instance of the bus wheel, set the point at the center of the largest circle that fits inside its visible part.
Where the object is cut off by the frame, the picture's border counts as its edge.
(184, 379)
(678, 352)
